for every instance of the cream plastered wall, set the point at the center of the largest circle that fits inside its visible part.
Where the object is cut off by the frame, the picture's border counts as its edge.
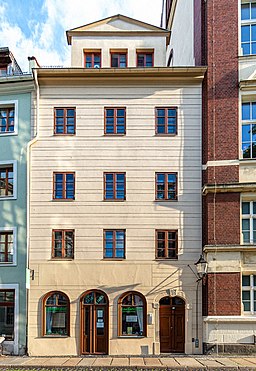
(182, 34)
(140, 154)
(107, 43)
(230, 329)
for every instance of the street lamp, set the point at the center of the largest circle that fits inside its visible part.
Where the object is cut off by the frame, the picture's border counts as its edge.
(201, 267)
(201, 271)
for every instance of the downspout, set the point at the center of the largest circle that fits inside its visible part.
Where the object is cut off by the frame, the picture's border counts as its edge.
(29, 145)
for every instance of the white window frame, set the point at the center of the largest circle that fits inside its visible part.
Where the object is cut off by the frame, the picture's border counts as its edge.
(252, 289)
(246, 22)
(14, 342)
(8, 104)
(14, 231)
(251, 217)
(15, 179)
(247, 122)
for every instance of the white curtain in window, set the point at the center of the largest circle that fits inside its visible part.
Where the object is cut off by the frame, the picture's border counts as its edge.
(139, 311)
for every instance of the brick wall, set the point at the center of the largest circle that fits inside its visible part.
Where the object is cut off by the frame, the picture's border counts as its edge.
(221, 215)
(223, 294)
(221, 220)
(220, 111)
(221, 174)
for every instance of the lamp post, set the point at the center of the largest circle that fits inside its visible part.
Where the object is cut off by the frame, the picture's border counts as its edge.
(201, 271)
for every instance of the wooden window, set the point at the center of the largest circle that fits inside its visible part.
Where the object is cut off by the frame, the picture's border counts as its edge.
(6, 120)
(145, 59)
(166, 186)
(119, 59)
(115, 121)
(114, 186)
(92, 59)
(132, 310)
(63, 243)
(6, 247)
(166, 121)
(56, 314)
(6, 181)
(64, 121)
(114, 243)
(64, 186)
(7, 305)
(166, 244)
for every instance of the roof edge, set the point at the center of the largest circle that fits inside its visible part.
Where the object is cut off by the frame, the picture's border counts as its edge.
(117, 16)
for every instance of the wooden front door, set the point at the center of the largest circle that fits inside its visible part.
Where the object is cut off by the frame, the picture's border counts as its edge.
(172, 325)
(94, 334)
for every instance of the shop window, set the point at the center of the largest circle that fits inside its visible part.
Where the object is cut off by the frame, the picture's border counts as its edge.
(132, 314)
(56, 314)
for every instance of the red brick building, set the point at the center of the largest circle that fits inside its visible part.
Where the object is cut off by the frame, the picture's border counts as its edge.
(221, 35)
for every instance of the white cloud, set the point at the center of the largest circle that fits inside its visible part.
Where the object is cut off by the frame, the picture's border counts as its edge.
(47, 41)
(85, 11)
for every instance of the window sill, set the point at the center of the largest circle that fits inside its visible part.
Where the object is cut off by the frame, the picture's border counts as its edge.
(247, 161)
(8, 134)
(131, 336)
(168, 259)
(64, 135)
(8, 264)
(111, 259)
(111, 200)
(114, 135)
(8, 198)
(247, 56)
(61, 259)
(166, 135)
(63, 199)
(175, 200)
(55, 336)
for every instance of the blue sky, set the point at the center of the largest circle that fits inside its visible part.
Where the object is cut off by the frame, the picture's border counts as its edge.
(37, 27)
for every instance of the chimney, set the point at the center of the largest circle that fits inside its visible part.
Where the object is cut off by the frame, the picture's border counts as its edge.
(33, 63)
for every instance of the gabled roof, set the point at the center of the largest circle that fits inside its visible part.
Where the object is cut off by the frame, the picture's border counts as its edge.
(116, 25)
(7, 58)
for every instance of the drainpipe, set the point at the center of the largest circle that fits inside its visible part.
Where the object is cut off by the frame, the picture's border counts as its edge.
(29, 145)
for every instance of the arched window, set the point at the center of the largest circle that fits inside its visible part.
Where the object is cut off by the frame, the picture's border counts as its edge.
(132, 314)
(55, 314)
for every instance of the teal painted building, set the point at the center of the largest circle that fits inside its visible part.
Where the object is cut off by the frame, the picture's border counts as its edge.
(15, 134)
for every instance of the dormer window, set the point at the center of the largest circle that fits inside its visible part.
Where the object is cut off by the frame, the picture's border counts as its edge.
(145, 58)
(92, 59)
(118, 58)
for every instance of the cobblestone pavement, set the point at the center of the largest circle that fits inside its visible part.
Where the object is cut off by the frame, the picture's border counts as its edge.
(130, 363)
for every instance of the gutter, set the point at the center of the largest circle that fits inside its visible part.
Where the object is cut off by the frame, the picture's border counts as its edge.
(29, 145)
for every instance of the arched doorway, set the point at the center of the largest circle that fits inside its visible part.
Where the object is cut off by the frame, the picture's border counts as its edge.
(172, 325)
(94, 322)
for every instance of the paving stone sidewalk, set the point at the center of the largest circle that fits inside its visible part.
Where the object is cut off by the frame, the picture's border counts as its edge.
(130, 363)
